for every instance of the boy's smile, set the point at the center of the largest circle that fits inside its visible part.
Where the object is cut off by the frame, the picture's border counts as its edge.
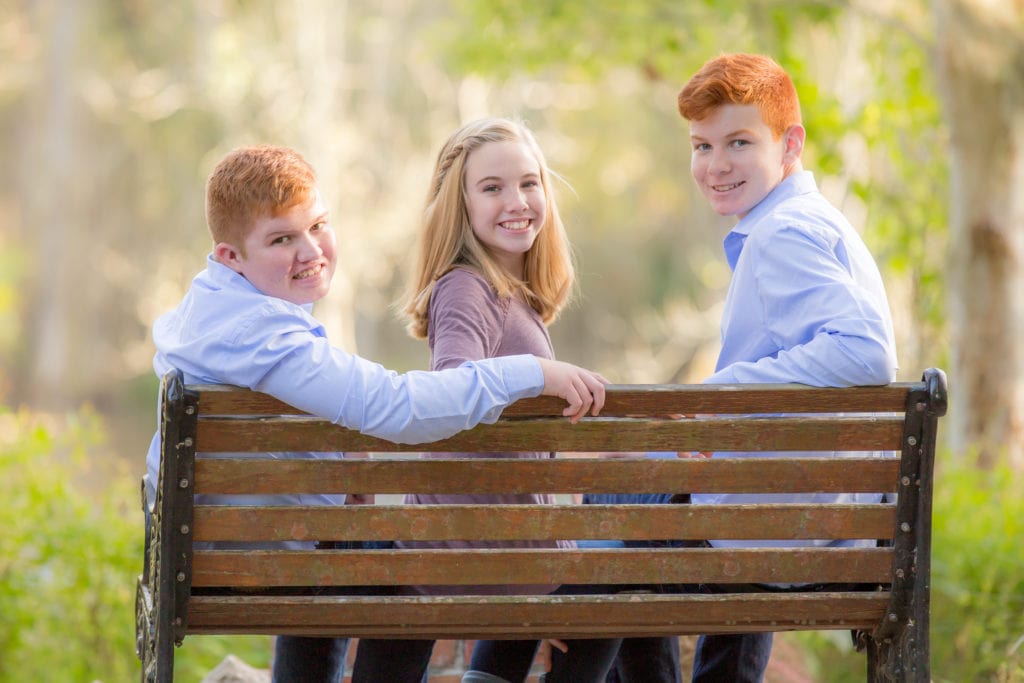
(735, 159)
(291, 255)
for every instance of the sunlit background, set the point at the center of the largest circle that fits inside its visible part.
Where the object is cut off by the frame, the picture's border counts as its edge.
(114, 112)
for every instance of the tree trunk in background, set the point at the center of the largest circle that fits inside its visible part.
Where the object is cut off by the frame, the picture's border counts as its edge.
(323, 72)
(48, 159)
(980, 54)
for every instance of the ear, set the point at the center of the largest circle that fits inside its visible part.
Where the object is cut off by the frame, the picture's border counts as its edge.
(229, 256)
(793, 139)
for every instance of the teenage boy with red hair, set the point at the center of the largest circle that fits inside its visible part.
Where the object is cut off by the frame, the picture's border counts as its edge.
(806, 302)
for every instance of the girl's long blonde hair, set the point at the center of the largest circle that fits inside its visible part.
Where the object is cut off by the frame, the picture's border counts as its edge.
(447, 239)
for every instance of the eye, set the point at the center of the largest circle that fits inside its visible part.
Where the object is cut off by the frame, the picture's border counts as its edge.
(283, 239)
(739, 143)
(530, 184)
(318, 227)
(491, 188)
(701, 147)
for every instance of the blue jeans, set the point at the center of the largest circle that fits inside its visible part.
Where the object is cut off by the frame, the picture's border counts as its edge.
(510, 659)
(741, 657)
(300, 659)
(587, 661)
(737, 658)
(393, 661)
(406, 661)
(653, 660)
(305, 659)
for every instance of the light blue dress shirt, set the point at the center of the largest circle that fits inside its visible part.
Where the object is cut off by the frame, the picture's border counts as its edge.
(806, 304)
(225, 331)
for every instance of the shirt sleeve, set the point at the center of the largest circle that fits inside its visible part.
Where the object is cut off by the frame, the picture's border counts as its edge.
(831, 331)
(303, 369)
(465, 320)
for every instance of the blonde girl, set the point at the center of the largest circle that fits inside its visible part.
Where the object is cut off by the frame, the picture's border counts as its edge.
(493, 269)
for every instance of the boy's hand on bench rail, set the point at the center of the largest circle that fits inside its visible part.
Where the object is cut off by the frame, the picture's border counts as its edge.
(582, 389)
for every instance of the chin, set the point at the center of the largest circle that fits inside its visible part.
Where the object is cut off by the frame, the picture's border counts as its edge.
(724, 209)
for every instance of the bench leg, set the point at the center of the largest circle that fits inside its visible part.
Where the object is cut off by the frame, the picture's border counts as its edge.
(153, 645)
(145, 628)
(897, 661)
(144, 635)
(154, 635)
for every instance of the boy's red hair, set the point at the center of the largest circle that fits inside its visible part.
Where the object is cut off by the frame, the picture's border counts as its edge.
(253, 182)
(742, 79)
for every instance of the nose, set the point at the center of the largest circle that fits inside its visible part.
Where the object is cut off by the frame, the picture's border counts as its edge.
(309, 248)
(718, 162)
(517, 200)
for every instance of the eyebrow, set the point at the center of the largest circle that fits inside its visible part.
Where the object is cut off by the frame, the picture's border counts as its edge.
(739, 132)
(494, 178)
(278, 233)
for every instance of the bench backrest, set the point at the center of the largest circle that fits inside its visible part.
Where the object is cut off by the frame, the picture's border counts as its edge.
(807, 423)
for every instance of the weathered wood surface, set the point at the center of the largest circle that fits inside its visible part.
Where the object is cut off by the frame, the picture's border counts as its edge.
(253, 568)
(601, 475)
(631, 399)
(555, 617)
(220, 441)
(542, 522)
(805, 433)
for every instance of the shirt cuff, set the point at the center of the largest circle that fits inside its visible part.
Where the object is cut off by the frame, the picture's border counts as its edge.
(523, 376)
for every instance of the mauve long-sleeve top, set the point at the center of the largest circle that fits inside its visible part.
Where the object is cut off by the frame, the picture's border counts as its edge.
(469, 321)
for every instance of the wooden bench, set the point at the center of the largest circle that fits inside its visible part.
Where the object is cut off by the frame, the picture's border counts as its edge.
(187, 591)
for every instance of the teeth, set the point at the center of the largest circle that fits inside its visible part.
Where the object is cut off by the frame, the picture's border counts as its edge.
(516, 225)
(725, 188)
(307, 273)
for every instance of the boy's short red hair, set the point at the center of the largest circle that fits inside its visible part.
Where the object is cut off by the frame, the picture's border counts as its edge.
(253, 182)
(742, 79)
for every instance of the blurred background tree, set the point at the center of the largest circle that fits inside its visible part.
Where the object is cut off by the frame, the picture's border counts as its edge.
(979, 51)
(115, 113)
(112, 113)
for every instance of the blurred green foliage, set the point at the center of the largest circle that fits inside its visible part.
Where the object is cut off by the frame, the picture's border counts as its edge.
(66, 559)
(977, 619)
(978, 575)
(70, 552)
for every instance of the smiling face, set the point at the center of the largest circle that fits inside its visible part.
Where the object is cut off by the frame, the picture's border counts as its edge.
(505, 201)
(290, 256)
(735, 159)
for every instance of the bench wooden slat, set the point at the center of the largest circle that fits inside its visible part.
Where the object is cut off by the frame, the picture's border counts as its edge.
(631, 399)
(534, 566)
(814, 433)
(542, 522)
(603, 475)
(225, 441)
(561, 616)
